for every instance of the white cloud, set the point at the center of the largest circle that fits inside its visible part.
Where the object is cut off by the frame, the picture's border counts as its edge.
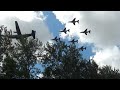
(28, 21)
(109, 56)
(22, 15)
(105, 32)
(40, 75)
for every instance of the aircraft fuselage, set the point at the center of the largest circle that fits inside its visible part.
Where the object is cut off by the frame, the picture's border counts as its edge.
(17, 36)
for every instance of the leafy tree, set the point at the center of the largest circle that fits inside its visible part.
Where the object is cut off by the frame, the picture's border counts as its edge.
(5, 46)
(9, 68)
(63, 62)
(19, 57)
(24, 54)
(106, 72)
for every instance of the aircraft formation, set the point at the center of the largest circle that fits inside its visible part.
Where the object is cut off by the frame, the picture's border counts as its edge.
(74, 21)
(19, 35)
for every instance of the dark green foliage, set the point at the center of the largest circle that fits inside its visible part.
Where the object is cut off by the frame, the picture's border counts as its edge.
(106, 72)
(18, 60)
(9, 68)
(24, 54)
(67, 63)
(62, 62)
(18, 57)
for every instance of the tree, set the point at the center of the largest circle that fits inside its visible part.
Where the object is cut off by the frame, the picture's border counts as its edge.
(106, 72)
(5, 47)
(9, 68)
(25, 55)
(63, 62)
(19, 57)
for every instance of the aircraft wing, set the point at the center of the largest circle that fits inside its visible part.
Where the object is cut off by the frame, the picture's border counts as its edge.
(74, 19)
(74, 23)
(65, 32)
(82, 48)
(56, 37)
(85, 30)
(17, 28)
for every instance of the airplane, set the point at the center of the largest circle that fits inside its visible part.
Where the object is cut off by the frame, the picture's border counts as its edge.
(65, 31)
(73, 21)
(73, 41)
(67, 46)
(81, 48)
(19, 35)
(56, 39)
(86, 31)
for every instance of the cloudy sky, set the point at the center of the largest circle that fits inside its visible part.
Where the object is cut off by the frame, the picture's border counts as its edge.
(102, 43)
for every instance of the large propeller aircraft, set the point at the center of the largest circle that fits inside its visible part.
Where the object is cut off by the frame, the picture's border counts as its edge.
(19, 35)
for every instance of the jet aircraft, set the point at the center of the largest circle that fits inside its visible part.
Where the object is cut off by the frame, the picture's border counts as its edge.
(65, 31)
(73, 41)
(73, 21)
(82, 48)
(86, 31)
(56, 39)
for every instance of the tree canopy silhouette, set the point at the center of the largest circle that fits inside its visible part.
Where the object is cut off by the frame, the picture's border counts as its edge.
(19, 57)
(65, 62)
(60, 60)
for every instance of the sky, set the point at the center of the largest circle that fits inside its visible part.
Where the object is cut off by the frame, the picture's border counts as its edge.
(102, 43)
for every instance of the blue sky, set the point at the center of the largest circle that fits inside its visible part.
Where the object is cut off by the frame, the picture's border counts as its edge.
(27, 22)
(99, 41)
(104, 25)
(55, 26)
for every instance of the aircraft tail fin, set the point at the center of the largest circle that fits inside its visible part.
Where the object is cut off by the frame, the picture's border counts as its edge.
(85, 48)
(89, 31)
(58, 38)
(78, 21)
(16, 23)
(77, 41)
(33, 33)
(68, 30)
